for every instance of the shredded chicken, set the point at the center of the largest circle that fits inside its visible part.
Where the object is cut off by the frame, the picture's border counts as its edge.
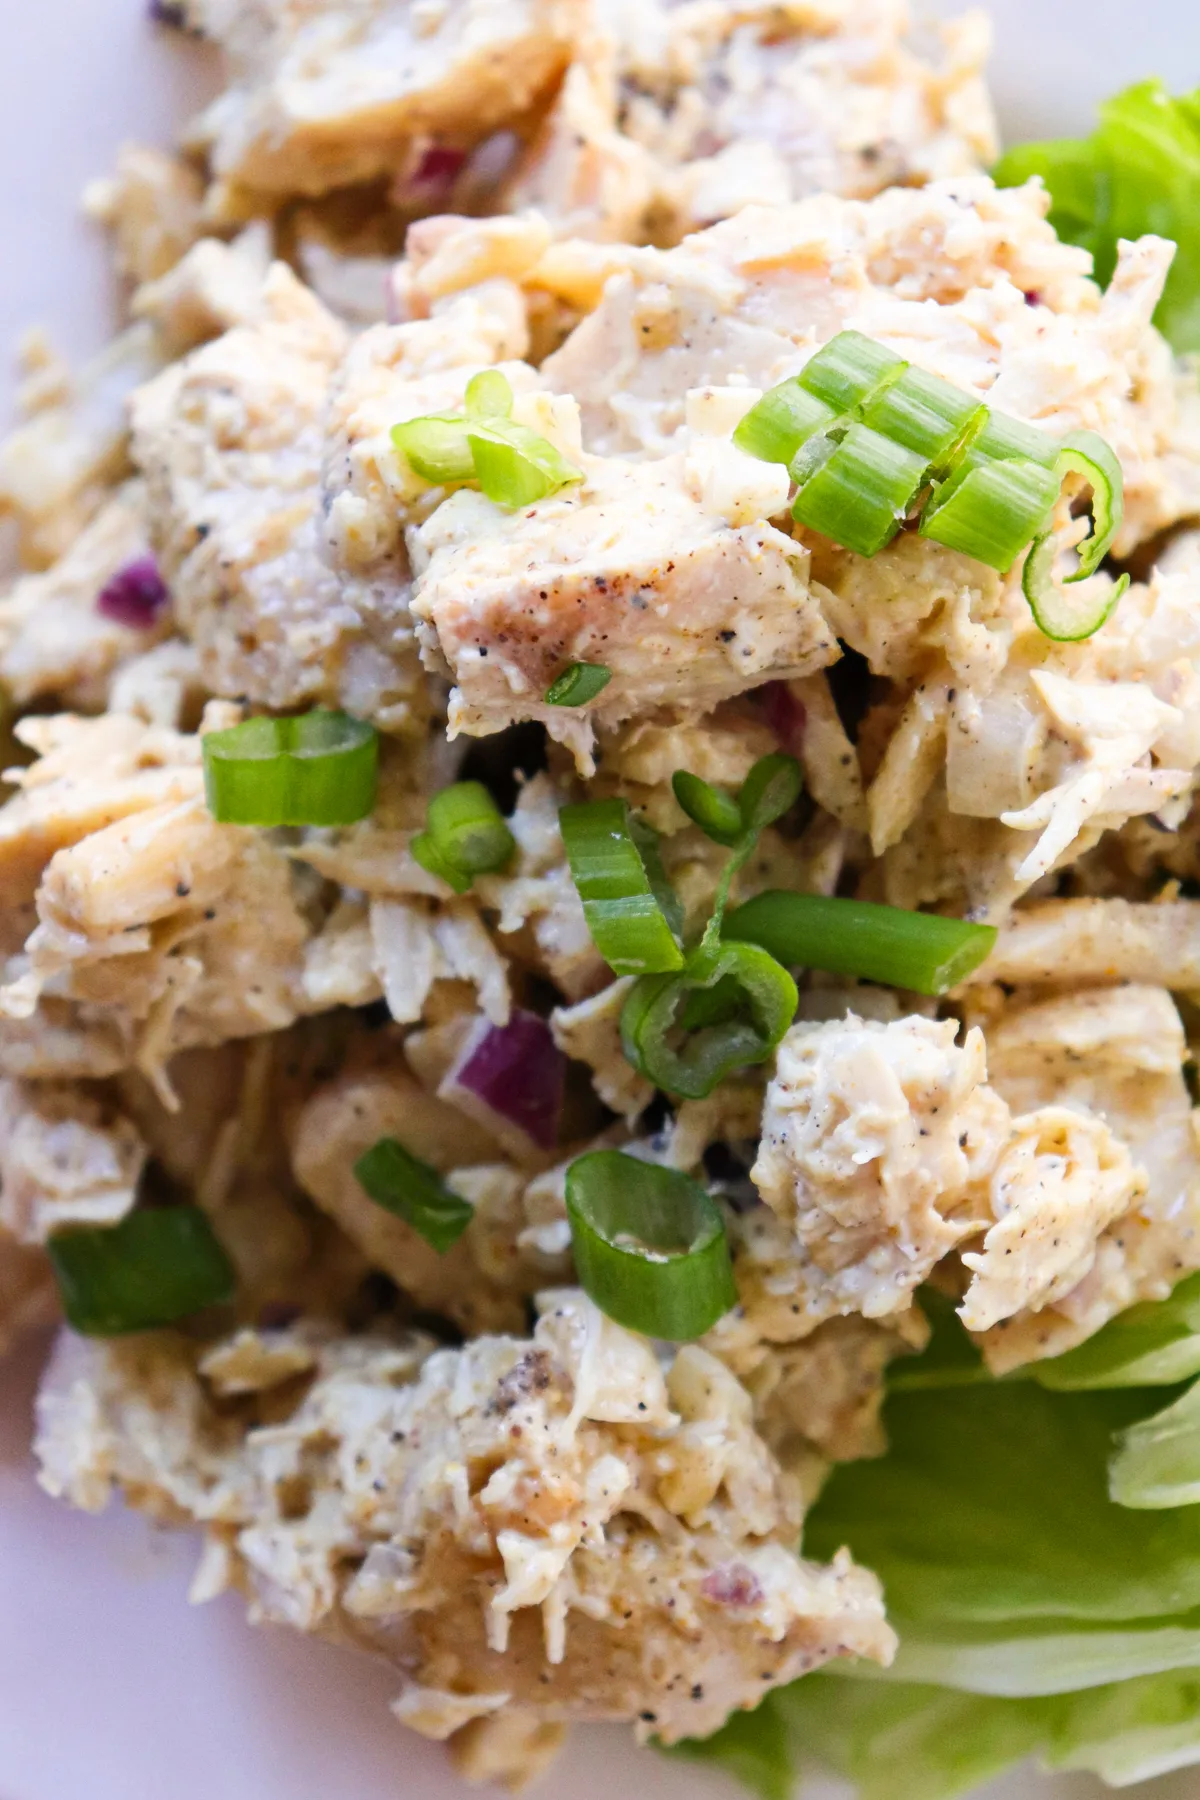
(671, 117)
(129, 902)
(65, 1159)
(1114, 1054)
(875, 1139)
(552, 1523)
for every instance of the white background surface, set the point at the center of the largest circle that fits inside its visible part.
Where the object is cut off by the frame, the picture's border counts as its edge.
(110, 1687)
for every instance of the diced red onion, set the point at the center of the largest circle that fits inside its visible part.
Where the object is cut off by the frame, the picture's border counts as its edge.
(134, 596)
(733, 1584)
(431, 178)
(511, 1079)
(784, 713)
(173, 14)
(439, 166)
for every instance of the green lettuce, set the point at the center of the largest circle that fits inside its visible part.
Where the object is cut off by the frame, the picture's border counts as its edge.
(1041, 1610)
(1130, 1732)
(903, 1742)
(756, 1748)
(1157, 1460)
(1152, 1345)
(907, 1742)
(992, 1504)
(1138, 172)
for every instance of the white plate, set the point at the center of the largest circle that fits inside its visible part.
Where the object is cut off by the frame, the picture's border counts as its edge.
(110, 1687)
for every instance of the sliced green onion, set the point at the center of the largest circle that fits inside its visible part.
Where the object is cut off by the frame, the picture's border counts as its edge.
(771, 789)
(436, 447)
(425, 851)
(716, 813)
(728, 1008)
(650, 1245)
(920, 951)
(850, 370)
(1004, 439)
(402, 1184)
(926, 415)
(488, 395)
(781, 422)
(465, 835)
(150, 1269)
(319, 769)
(991, 510)
(1065, 616)
(864, 435)
(1087, 454)
(578, 684)
(627, 919)
(861, 492)
(515, 466)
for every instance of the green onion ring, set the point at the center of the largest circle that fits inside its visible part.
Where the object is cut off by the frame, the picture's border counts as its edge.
(784, 420)
(728, 1008)
(617, 877)
(990, 510)
(318, 769)
(436, 447)
(860, 492)
(465, 835)
(650, 1245)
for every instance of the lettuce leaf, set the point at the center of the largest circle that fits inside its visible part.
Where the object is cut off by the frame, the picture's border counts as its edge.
(992, 1504)
(756, 1748)
(1157, 1460)
(1138, 172)
(911, 1742)
(902, 1742)
(1130, 1732)
(1042, 1656)
(1152, 1345)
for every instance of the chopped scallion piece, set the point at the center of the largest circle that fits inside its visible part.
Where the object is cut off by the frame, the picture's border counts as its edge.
(650, 1245)
(488, 395)
(512, 465)
(426, 853)
(402, 1184)
(991, 510)
(921, 951)
(153, 1267)
(629, 924)
(771, 789)
(860, 494)
(1064, 613)
(926, 415)
(578, 684)
(1066, 616)
(465, 835)
(848, 371)
(728, 1008)
(515, 467)
(1087, 454)
(784, 419)
(1003, 439)
(716, 813)
(319, 769)
(436, 447)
